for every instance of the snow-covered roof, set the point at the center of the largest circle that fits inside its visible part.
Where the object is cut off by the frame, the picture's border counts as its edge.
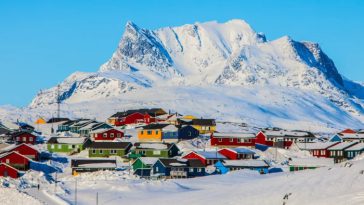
(352, 136)
(315, 162)
(89, 126)
(359, 146)
(283, 133)
(211, 154)
(98, 165)
(148, 160)
(245, 163)
(242, 150)
(315, 145)
(157, 146)
(233, 135)
(66, 140)
(101, 130)
(342, 145)
(172, 128)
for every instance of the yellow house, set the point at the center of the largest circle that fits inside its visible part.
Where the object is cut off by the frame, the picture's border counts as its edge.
(40, 121)
(204, 126)
(189, 117)
(152, 132)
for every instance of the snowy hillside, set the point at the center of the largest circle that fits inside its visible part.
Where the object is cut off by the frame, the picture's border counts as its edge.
(222, 70)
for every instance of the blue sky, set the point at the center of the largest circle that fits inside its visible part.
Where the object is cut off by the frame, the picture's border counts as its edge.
(42, 42)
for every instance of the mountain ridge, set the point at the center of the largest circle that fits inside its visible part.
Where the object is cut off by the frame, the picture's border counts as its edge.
(230, 55)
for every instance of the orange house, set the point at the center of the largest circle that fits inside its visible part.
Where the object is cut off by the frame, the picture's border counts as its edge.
(152, 132)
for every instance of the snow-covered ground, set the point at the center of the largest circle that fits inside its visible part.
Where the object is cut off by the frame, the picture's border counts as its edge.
(339, 184)
(11, 196)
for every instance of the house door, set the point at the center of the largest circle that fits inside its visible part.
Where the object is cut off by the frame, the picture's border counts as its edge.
(5, 173)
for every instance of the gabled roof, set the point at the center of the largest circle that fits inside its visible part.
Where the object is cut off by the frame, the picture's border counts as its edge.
(342, 145)
(153, 145)
(287, 133)
(147, 160)
(204, 122)
(14, 152)
(102, 130)
(233, 135)
(316, 162)
(357, 147)
(152, 112)
(66, 140)
(155, 126)
(245, 163)
(69, 122)
(240, 150)
(174, 162)
(210, 154)
(352, 136)
(110, 145)
(12, 147)
(315, 145)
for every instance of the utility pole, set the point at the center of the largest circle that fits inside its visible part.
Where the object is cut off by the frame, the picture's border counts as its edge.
(97, 198)
(58, 101)
(75, 191)
(55, 184)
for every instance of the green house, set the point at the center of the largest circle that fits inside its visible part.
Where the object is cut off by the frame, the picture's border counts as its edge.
(150, 149)
(106, 149)
(144, 162)
(66, 144)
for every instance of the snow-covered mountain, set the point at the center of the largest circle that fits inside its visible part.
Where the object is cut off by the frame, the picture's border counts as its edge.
(223, 70)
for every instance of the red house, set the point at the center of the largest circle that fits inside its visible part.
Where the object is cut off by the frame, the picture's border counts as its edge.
(136, 116)
(232, 139)
(318, 149)
(26, 150)
(348, 131)
(24, 137)
(206, 157)
(8, 171)
(15, 160)
(106, 134)
(282, 138)
(237, 153)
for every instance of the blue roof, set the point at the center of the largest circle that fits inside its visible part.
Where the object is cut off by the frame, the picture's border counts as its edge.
(211, 155)
(243, 150)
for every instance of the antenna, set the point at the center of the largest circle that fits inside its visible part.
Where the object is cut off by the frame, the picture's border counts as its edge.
(58, 101)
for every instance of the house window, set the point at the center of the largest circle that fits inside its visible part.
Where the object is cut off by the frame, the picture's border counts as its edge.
(156, 169)
(149, 132)
(31, 139)
(52, 146)
(69, 146)
(322, 152)
(118, 135)
(190, 134)
(191, 169)
(101, 151)
(156, 132)
(231, 140)
(17, 138)
(104, 135)
(93, 151)
(156, 152)
(24, 139)
(199, 170)
(220, 139)
(113, 151)
(141, 132)
(59, 146)
(7, 161)
(111, 135)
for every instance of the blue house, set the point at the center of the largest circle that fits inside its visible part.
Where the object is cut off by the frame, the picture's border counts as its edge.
(335, 138)
(187, 132)
(231, 165)
(178, 168)
(170, 133)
